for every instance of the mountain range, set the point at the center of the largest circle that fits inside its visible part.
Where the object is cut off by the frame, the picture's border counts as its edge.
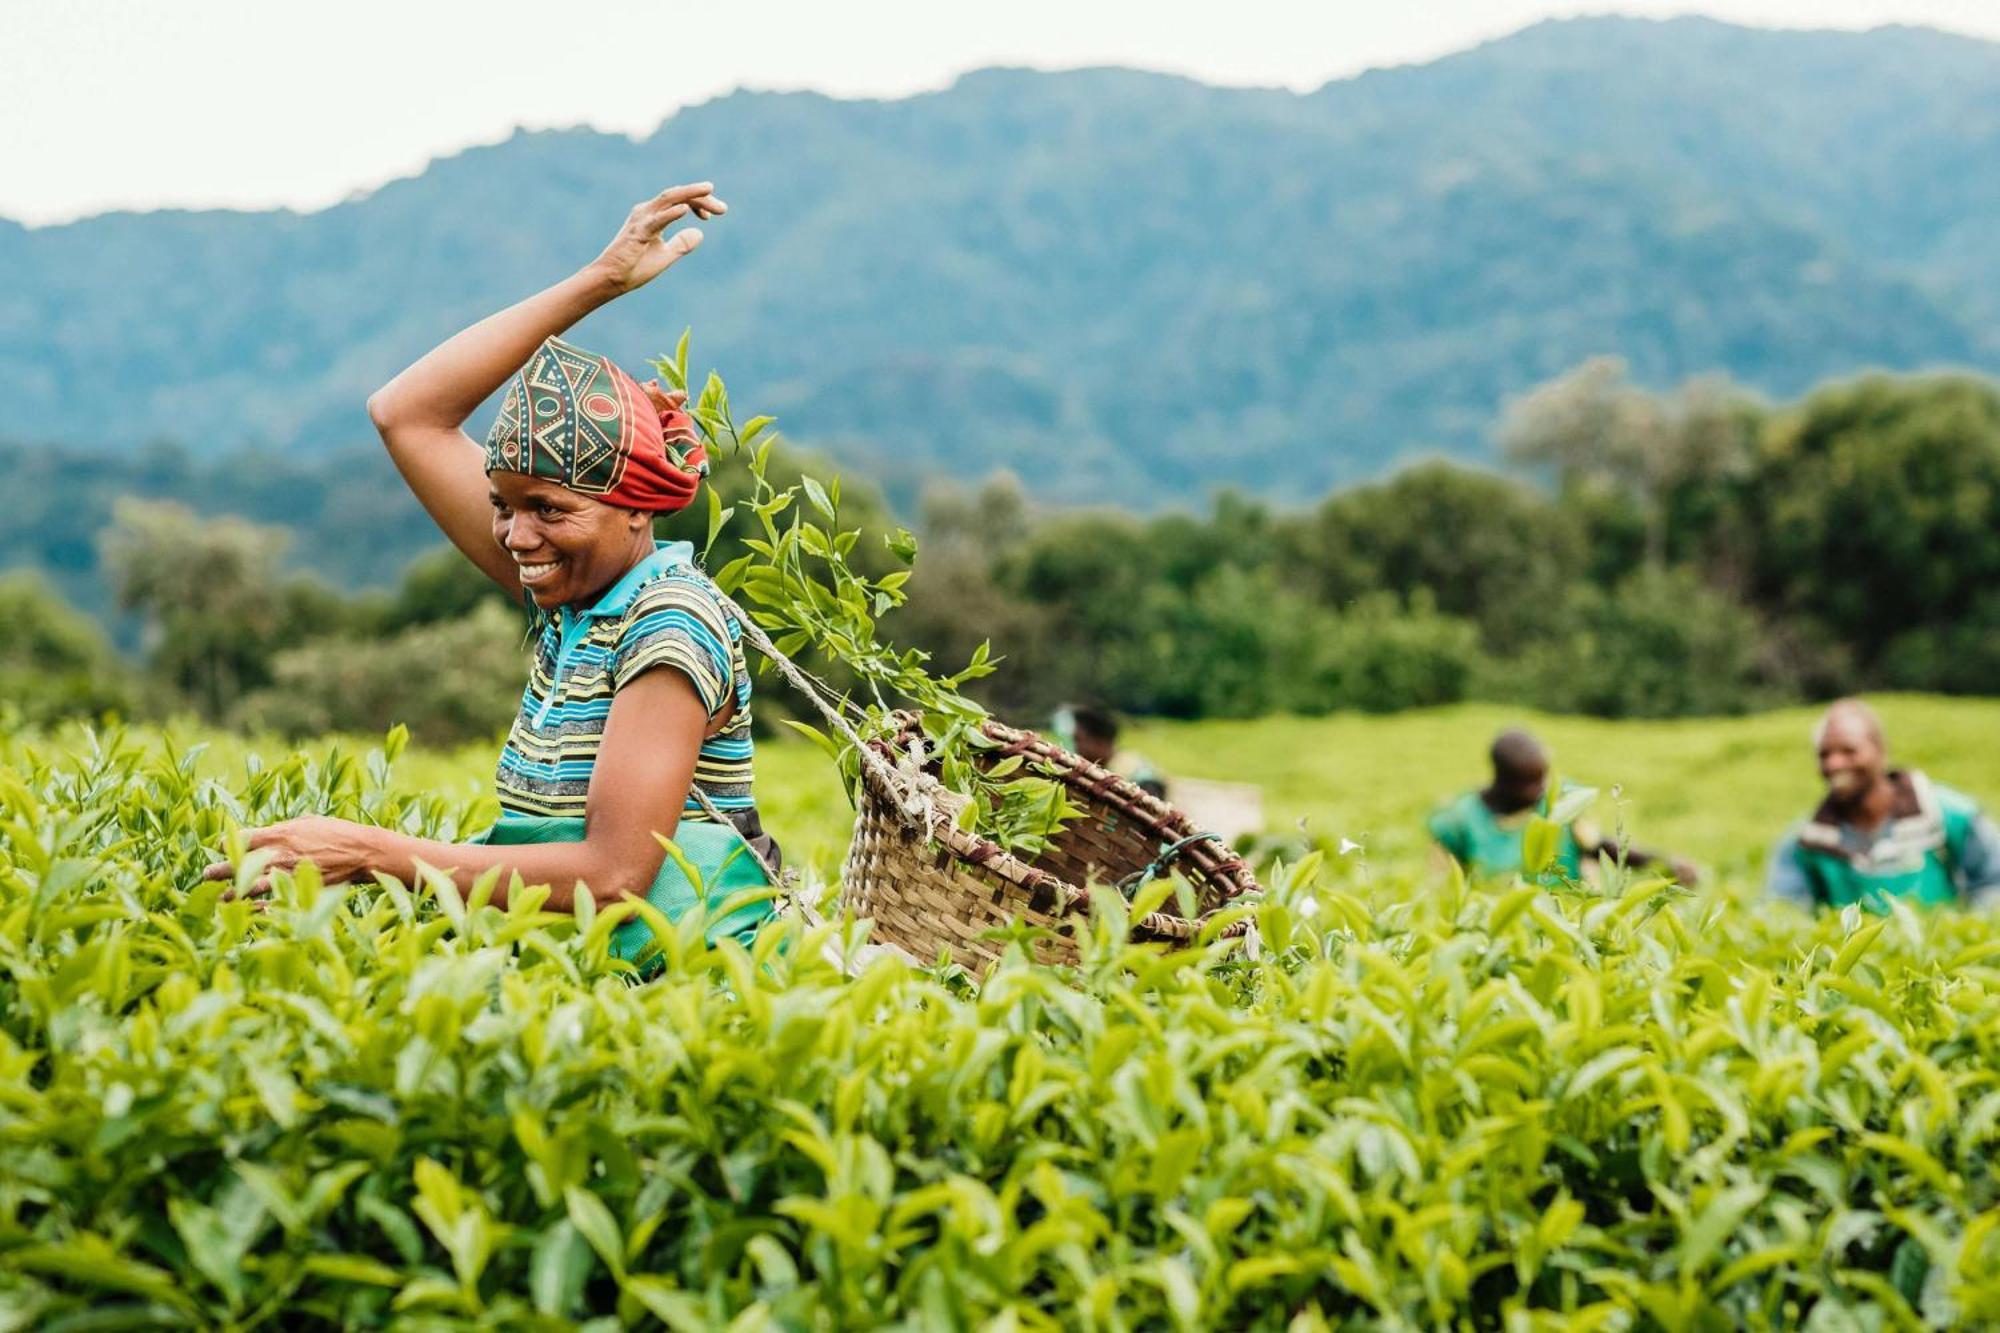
(1122, 286)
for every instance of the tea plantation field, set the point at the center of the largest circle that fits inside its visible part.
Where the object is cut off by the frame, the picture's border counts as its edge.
(1621, 1106)
(1718, 791)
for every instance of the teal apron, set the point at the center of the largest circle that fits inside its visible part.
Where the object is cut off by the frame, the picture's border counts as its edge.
(1488, 845)
(720, 855)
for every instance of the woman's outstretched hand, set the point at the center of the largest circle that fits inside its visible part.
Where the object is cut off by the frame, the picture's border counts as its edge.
(342, 849)
(640, 253)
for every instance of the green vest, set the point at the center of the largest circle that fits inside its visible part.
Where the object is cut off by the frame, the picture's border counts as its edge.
(720, 855)
(1914, 855)
(1489, 844)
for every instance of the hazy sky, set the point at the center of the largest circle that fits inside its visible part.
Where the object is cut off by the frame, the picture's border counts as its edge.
(253, 103)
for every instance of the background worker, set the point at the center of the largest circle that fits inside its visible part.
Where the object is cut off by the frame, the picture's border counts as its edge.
(1883, 832)
(1483, 830)
(1093, 733)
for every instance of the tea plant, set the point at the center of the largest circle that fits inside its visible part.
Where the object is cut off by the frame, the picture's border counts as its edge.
(385, 1105)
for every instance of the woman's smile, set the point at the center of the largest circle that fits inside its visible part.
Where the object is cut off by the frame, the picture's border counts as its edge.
(533, 573)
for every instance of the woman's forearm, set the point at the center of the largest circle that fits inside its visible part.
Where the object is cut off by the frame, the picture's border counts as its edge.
(563, 866)
(450, 381)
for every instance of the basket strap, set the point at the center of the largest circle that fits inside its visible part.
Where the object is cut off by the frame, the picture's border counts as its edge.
(914, 792)
(785, 881)
(708, 808)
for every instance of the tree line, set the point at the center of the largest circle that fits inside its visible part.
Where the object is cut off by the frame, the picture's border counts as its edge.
(1651, 554)
(1644, 553)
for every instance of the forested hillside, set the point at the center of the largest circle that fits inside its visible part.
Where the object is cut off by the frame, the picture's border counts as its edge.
(1122, 286)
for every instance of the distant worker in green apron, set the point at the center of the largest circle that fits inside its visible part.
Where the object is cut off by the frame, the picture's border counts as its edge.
(1883, 832)
(1483, 830)
(635, 723)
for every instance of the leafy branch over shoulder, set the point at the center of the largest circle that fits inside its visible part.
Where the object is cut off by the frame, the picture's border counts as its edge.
(799, 583)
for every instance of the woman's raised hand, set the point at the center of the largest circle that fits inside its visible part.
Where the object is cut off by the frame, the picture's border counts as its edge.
(421, 414)
(640, 253)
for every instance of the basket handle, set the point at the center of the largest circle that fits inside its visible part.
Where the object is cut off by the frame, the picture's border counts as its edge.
(1139, 879)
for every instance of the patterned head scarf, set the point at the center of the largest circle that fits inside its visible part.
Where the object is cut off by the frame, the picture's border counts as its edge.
(576, 419)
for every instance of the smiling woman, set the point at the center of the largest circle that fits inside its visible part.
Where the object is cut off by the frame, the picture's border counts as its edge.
(635, 723)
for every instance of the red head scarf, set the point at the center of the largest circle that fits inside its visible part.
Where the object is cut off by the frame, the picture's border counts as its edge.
(573, 417)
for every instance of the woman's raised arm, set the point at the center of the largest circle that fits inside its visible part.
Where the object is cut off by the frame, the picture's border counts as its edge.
(421, 413)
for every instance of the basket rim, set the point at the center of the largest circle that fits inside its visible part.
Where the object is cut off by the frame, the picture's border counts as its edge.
(1214, 861)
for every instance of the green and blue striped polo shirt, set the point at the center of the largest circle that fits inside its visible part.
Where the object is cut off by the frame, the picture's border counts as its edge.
(664, 612)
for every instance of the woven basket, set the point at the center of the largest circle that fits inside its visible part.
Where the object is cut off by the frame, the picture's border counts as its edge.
(942, 892)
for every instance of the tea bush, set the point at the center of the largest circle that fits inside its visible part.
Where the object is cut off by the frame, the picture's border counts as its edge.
(390, 1105)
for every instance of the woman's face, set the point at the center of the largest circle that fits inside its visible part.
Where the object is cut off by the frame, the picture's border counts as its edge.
(567, 547)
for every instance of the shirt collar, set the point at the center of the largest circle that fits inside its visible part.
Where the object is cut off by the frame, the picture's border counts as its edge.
(615, 599)
(1913, 800)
